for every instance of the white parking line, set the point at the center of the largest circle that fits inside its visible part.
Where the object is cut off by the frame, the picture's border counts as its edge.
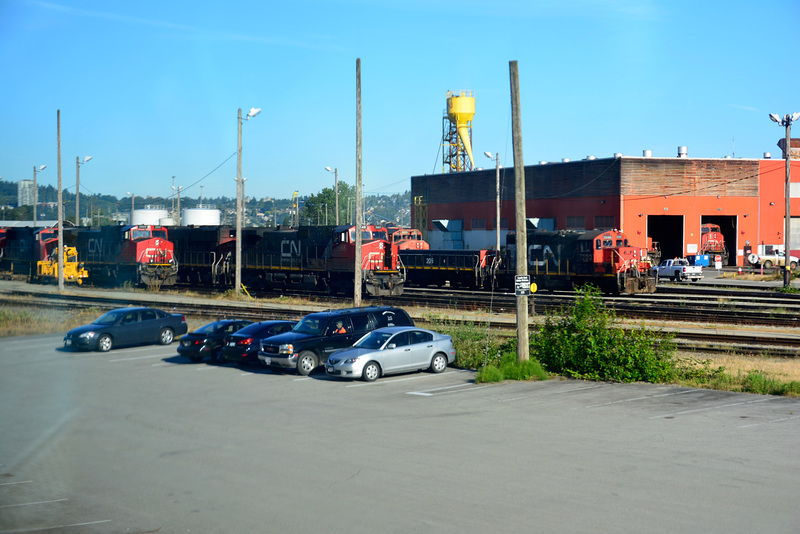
(782, 419)
(137, 358)
(392, 381)
(54, 527)
(426, 392)
(545, 393)
(32, 503)
(640, 398)
(707, 408)
(13, 483)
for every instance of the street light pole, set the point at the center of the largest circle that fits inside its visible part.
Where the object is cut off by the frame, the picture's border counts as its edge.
(497, 180)
(239, 193)
(336, 190)
(78, 164)
(132, 197)
(787, 121)
(35, 191)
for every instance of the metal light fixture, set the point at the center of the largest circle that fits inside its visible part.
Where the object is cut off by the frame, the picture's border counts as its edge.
(335, 172)
(35, 190)
(78, 164)
(239, 194)
(496, 158)
(786, 122)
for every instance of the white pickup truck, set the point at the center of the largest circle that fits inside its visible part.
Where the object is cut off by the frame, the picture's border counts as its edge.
(769, 256)
(678, 269)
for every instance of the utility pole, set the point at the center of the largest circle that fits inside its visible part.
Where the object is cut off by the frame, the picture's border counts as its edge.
(523, 350)
(787, 121)
(359, 213)
(60, 210)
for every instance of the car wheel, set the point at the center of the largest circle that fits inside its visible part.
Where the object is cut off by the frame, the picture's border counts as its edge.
(371, 372)
(104, 343)
(438, 363)
(767, 264)
(166, 336)
(306, 362)
(793, 265)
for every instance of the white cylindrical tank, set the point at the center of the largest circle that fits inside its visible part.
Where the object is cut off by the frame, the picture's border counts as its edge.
(148, 216)
(166, 221)
(200, 217)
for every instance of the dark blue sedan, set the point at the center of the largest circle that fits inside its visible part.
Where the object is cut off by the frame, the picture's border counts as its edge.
(243, 346)
(127, 326)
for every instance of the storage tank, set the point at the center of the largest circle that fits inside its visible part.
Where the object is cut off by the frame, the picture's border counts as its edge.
(149, 216)
(166, 221)
(200, 217)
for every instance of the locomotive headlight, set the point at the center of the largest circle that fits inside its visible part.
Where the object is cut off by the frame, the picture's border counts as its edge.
(286, 349)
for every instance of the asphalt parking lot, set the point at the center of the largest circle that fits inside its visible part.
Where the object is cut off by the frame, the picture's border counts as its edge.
(141, 440)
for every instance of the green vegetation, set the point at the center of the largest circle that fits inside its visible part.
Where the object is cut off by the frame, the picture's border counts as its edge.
(587, 342)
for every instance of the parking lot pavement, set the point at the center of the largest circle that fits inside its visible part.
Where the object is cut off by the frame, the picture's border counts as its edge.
(140, 439)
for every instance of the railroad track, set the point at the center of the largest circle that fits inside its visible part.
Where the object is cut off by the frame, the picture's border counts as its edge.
(689, 331)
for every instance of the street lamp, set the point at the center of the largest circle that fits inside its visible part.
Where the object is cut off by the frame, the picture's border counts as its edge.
(496, 158)
(35, 192)
(178, 189)
(132, 197)
(78, 164)
(335, 172)
(787, 121)
(239, 193)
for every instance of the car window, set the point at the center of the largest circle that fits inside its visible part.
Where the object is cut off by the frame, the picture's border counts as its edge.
(250, 329)
(279, 329)
(310, 324)
(130, 318)
(373, 340)
(418, 336)
(393, 318)
(109, 318)
(400, 340)
(149, 315)
(360, 323)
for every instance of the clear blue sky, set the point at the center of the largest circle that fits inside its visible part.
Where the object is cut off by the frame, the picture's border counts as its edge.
(151, 89)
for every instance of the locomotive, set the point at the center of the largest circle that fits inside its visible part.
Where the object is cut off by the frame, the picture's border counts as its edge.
(314, 258)
(139, 254)
(712, 242)
(566, 259)
(33, 252)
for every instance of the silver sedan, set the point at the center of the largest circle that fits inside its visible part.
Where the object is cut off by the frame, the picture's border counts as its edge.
(396, 349)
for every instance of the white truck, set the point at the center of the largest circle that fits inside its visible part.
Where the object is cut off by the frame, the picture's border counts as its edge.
(678, 269)
(769, 256)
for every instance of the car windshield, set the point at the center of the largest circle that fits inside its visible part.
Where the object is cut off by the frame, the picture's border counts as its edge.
(109, 318)
(210, 328)
(373, 340)
(311, 325)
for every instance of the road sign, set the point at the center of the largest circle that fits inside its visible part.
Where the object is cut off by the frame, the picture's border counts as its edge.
(522, 285)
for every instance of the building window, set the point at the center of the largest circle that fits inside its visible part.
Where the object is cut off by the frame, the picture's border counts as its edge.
(479, 224)
(604, 222)
(504, 224)
(576, 223)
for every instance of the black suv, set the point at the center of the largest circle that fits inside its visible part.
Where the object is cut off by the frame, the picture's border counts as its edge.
(319, 334)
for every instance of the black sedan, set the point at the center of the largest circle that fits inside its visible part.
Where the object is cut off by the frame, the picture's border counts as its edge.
(127, 326)
(243, 346)
(208, 340)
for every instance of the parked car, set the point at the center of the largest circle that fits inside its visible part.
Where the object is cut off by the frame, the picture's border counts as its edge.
(242, 346)
(209, 339)
(319, 334)
(393, 350)
(127, 326)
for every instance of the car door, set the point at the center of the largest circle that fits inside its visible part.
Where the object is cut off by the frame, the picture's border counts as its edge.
(396, 355)
(420, 349)
(127, 328)
(333, 341)
(150, 326)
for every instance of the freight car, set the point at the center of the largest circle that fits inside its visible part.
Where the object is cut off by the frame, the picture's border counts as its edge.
(314, 258)
(471, 269)
(115, 255)
(566, 259)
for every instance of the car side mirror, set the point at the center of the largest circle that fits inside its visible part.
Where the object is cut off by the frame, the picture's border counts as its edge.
(391, 346)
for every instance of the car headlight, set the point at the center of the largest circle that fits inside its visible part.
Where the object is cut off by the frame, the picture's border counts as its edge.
(351, 360)
(86, 335)
(286, 349)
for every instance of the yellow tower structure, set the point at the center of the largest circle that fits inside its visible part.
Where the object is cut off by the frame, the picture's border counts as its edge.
(457, 132)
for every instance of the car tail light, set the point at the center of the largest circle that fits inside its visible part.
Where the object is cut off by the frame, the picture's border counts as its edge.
(245, 341)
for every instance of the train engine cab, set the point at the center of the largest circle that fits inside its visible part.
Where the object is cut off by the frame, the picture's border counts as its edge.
(148, 247)
(379, 267)
(712, 242)
(609, 253)
(409, 239)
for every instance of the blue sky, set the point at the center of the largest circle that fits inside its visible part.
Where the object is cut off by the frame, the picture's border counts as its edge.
(151, 89)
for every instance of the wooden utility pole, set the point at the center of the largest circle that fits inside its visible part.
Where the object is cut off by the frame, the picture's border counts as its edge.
(60, 210)
(359, 211)
(523, 350)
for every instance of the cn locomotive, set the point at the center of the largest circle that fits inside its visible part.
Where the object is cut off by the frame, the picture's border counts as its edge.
(556, 260)
(313, 258)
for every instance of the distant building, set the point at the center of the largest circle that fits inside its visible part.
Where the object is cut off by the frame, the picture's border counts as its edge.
(25, 193)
